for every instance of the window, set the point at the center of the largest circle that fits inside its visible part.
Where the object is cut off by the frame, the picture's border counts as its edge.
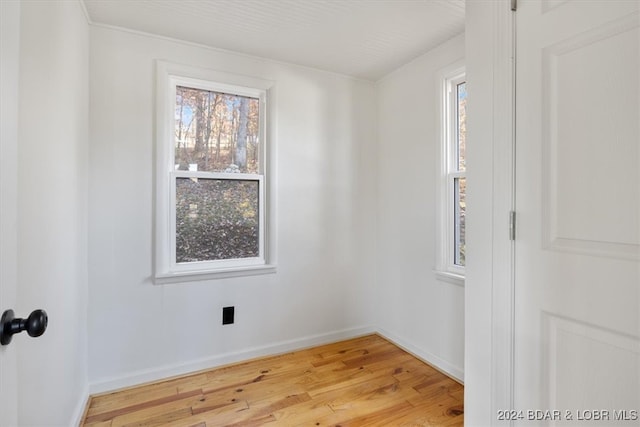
(211, 206)
(453, 177)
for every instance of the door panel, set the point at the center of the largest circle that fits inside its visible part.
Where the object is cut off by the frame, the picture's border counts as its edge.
(578, 204)
(9, 59)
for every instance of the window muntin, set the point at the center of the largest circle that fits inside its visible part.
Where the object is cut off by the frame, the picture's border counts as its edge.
(211, 181)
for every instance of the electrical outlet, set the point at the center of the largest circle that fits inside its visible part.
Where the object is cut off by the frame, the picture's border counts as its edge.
(228, 315)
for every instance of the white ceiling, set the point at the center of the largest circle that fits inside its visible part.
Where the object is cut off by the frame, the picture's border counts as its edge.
(362, 38)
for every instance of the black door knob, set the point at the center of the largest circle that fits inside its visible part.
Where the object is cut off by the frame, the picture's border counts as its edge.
(35, 325)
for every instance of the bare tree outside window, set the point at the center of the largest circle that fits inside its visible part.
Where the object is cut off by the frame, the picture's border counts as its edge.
(218, 132)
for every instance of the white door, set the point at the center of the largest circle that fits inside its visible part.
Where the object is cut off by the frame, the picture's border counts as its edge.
(577, 286)
(9, 58)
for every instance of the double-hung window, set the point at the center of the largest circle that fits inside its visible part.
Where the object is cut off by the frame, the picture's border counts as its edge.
(453, 182)
(211, 181)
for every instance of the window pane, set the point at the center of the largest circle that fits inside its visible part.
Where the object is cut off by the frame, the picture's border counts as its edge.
(460, 186)
(216, 219)
(461, 91)
(216, 132)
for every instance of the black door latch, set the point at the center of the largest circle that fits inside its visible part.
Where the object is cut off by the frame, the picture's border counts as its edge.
(35, 325)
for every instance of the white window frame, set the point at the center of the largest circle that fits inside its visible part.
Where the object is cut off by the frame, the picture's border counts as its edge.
(167, 270)
(446, 268)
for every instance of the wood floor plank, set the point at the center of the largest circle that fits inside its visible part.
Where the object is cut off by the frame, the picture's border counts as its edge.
(382, 399)
(249, 393)
(159, 414)
(111, 402)
(380, 417)
(215, 417)
(352, 389)
(127, 408)
(106, 402)
(445, 412)
(304, 414)
(365, 381)
(98, 424)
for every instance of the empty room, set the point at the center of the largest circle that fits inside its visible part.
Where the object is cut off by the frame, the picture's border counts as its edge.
(319, 212)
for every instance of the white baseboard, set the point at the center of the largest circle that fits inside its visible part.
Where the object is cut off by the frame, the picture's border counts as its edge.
(445, 367)
(78, 412)
(149, 375)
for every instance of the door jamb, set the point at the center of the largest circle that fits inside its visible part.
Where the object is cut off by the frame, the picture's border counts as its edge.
(504, 202)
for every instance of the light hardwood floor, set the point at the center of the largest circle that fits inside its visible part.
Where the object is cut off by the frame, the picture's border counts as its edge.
(360, 382)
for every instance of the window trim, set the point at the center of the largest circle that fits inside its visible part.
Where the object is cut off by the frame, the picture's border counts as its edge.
(166, 269)
(446, 268)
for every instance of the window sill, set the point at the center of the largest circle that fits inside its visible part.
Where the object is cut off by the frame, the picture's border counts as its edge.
(194, 276)
(449, 277)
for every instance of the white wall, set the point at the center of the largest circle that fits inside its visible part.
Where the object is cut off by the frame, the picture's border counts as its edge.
(324, 199)
(52, 210)
(413, 307)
